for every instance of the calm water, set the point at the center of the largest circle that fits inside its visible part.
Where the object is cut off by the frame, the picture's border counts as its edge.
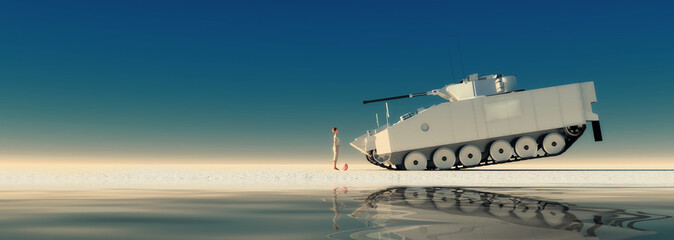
(341, 213)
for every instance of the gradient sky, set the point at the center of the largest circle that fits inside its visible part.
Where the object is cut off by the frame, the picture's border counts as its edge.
(261, 81)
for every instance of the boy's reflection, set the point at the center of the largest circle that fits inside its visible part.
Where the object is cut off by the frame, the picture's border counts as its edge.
(336, 205)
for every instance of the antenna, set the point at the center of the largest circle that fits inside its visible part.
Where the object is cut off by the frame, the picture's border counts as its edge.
(451, 65)
(460, 58)
(377, 116)
(387, 114)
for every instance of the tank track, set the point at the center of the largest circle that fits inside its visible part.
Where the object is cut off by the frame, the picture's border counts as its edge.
(569, 137)
(481, 203)
(478, 203)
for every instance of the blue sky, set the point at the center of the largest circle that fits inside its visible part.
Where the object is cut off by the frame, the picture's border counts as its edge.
(259, 81)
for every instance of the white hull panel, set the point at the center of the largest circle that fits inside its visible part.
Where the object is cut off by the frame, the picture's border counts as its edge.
(487, 117)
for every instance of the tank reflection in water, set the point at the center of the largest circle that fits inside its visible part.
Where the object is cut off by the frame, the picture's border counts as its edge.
(457, 213)
(339, 213)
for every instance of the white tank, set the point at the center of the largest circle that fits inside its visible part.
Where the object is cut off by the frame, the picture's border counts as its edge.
(486, 120)
(459, 213)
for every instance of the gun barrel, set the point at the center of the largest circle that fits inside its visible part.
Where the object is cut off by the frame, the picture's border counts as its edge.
(396, 97)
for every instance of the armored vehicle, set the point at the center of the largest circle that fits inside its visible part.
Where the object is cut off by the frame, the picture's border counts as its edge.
(461, 213)
(486, 120)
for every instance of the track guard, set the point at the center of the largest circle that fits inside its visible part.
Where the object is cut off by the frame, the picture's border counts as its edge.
(596, 129)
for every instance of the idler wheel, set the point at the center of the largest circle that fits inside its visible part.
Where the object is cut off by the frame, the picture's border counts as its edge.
(526, 147)
(501, 206)
(416, 196)
(415, 161)
(526, 210)
(553, 214)
(444, 199)
(444, 158)
(470, 155)
(574, 131)
(500, 151)
(380, 158)
(553, 143)
(470, 202)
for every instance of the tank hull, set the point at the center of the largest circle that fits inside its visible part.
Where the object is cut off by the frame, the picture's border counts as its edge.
(460, 213)
(482, 121)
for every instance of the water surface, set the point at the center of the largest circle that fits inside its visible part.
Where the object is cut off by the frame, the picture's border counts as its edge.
(341, 213)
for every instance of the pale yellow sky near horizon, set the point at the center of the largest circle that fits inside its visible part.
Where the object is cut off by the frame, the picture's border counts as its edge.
(559, 162)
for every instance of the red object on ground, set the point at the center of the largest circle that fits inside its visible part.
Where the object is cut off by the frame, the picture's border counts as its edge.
(346, 166)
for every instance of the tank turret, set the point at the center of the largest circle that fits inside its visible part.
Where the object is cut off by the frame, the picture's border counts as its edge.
(470, 87)
(486, 120)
